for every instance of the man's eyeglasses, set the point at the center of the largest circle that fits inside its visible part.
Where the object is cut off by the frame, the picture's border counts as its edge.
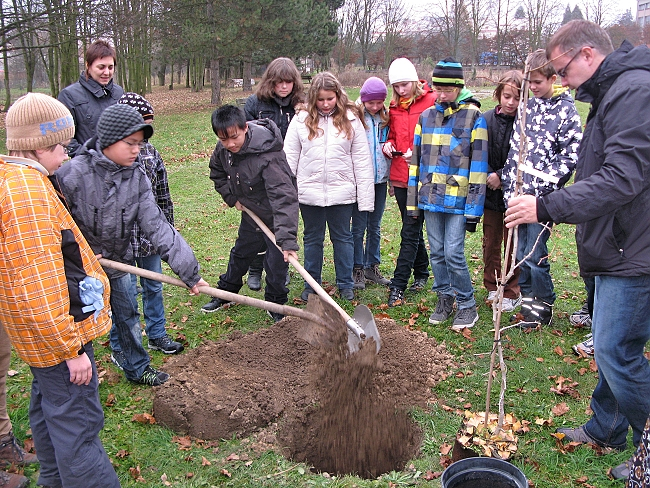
(562, 72)
(133, 144)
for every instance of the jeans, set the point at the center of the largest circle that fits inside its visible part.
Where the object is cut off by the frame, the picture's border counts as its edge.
(126, 321)
(412, 251)
(535, 275)
(495, 234)
(621, 328)
(65, 420)
(250, 241)
(446, 233)
(337, 219)
(369, 223)
(152, 301)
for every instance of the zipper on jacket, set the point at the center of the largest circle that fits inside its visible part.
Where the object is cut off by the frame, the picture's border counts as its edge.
(123, 226)
(95, 222)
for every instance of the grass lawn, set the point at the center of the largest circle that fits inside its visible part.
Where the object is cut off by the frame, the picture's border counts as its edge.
(145, 455)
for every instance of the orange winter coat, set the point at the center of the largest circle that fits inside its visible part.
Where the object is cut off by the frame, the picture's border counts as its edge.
(43, 256)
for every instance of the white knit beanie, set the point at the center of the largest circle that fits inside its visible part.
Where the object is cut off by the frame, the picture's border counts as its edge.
(402, 70)
(37, 121)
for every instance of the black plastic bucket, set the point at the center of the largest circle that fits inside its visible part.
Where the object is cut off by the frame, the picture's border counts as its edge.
(483, 472)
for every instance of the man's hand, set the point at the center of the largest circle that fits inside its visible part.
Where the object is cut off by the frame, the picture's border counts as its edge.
(521, 210)
(286, 255)
(493, 181)
(195, 289)
(239, 206)
(81, 370)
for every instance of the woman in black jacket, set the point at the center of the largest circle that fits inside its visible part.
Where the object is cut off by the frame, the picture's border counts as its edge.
(278, 93)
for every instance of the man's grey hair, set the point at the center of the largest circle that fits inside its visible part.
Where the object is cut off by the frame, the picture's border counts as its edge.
(577, 34)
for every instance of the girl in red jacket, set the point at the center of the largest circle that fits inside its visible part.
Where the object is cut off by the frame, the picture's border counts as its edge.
(411, 96)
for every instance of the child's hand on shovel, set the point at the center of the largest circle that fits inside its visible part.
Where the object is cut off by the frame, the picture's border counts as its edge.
(195, 289)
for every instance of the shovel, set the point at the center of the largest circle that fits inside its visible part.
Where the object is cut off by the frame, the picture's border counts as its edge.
(217, 293)
(360, 328)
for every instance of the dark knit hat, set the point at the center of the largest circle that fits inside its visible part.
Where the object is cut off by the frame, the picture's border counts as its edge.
(448, 72)
(373, 89)
(139, 103)
(119, 121)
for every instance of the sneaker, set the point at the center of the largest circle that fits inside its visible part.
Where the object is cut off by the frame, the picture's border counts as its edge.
(534, 313)
(275, 316)
(465, 318)
(492, 294)
(509, 304)
(579, 434)
(304, 296)
(419, 284)
(165, 344)
(581, 318)
(444, 309)
(118, 359)
(254, 280)
(12, 453)
(359, 278)
(622, 471)
(586, 347)
(347, 293)
(216, 304)
(373, 274)
(11, 480)
(395, 297)
(152, 377)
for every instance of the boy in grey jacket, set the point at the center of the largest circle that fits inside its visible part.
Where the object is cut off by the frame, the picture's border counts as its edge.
(107, 193)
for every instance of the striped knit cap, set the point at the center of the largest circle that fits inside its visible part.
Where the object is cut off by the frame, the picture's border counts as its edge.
(119, 121)
(37, 121)
(448, 72)
(139, 103)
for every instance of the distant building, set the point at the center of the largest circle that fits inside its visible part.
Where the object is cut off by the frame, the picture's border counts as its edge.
(643, 12)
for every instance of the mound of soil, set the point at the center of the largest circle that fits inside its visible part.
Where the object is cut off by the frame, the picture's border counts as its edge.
(340, 413)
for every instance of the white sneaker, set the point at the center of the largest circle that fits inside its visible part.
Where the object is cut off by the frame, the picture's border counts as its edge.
(509, 304)
(491, 296)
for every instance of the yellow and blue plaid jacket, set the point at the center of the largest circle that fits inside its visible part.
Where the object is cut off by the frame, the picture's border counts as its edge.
(448, 169)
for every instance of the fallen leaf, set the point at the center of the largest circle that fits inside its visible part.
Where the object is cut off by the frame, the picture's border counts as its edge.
(122, 453)
(143, 418)
(205, 462)
(184, 443)
(445, 448)
(12, 372)
(560, 409)
(233, 457)
(110, 400)
(163, 478)
(225, 472)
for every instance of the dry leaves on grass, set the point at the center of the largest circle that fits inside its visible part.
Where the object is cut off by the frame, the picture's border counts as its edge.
(564, 386)
(143, 418)
(502, 444)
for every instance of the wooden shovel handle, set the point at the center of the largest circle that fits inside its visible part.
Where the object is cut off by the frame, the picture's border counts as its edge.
(351, 323)
(215, 292)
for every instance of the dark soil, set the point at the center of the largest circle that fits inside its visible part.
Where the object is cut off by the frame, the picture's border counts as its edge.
(337, 412)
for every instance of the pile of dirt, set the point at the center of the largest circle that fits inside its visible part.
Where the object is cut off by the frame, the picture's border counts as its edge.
(340, 414)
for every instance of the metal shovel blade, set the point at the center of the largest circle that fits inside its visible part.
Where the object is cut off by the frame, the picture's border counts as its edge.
(363, 316)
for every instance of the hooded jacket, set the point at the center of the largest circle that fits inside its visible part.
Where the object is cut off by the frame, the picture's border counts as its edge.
(331, 169)
(402, 127)
(106, 199)
(43, 257)
(279, 110)
(499, 133)
(553, 129)
(86, 99)
(448, 169)
(259, 177)
(610, 199)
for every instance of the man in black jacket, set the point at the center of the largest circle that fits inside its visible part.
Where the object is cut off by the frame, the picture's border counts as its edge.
(610, 203)
(248, 167)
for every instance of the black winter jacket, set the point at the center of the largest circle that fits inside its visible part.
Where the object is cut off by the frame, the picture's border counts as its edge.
(86, 99)
(279, 110)
(259, 177)
(499, 132)
(610, 200)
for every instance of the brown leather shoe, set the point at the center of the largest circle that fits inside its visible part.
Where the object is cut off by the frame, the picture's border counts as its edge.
(12, 453)
(10, 480)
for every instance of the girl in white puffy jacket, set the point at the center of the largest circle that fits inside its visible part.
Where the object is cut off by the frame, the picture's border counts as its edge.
(327, 150)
